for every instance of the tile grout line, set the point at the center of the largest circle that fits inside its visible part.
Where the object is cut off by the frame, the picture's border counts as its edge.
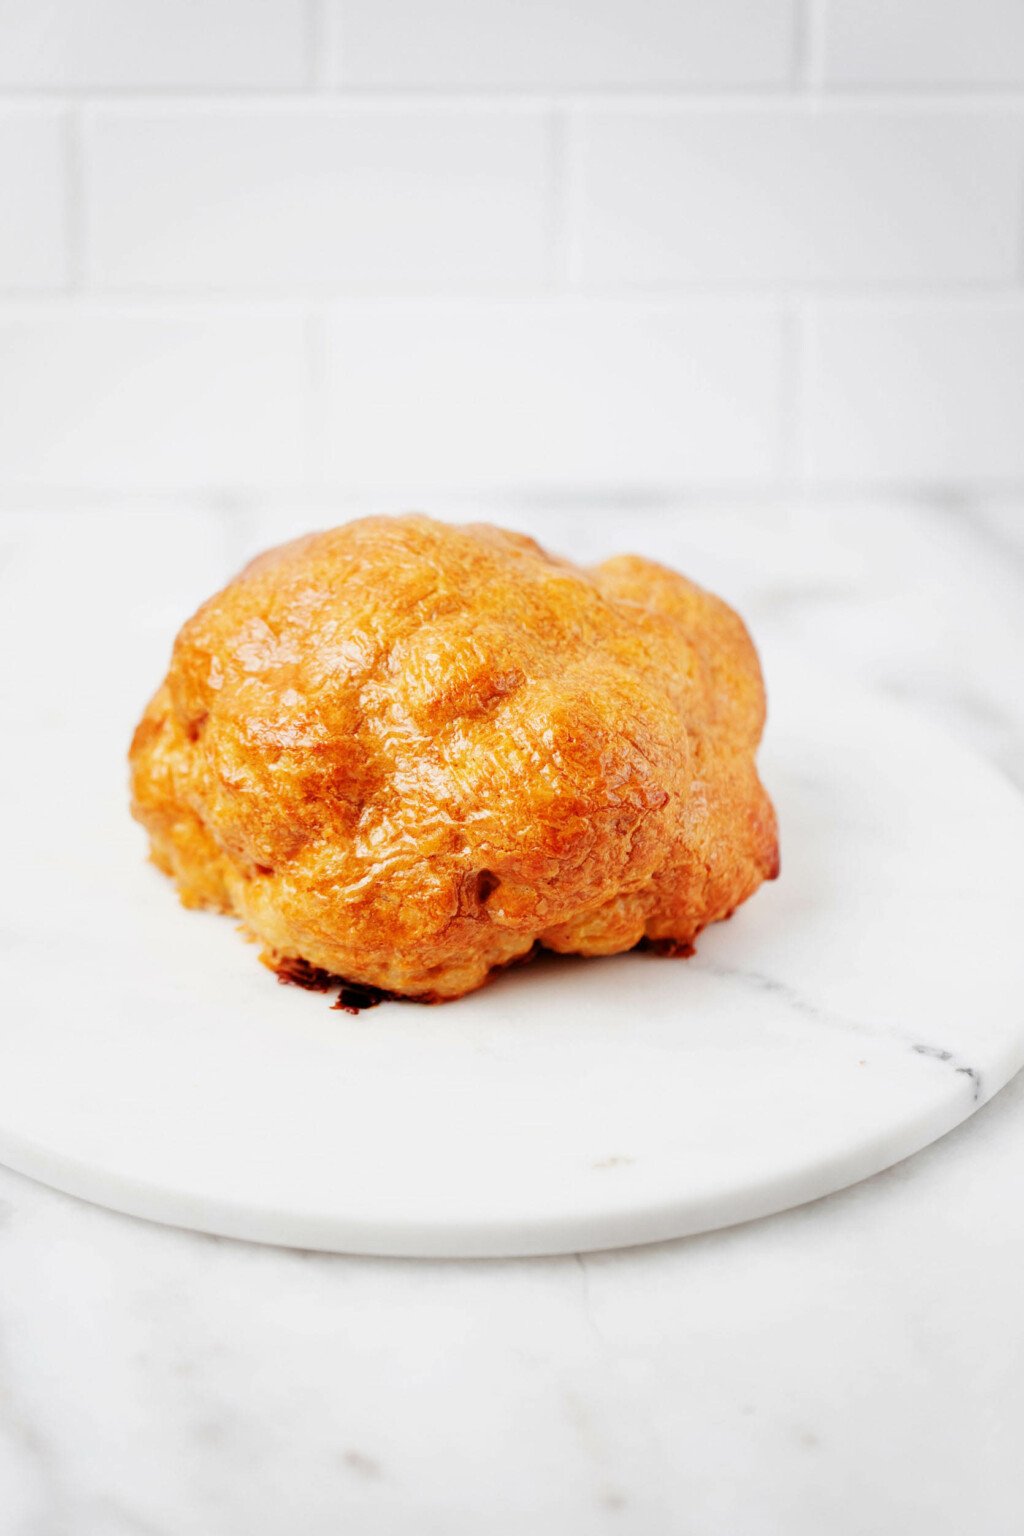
(36, 496)
(803, 321)
(580, 297)
(315, 415)
(75, 199)
(799, 38)
(573, 194)
(811, 57)
(316, 52)
(788, 394)
(794, 94)
(557, 207)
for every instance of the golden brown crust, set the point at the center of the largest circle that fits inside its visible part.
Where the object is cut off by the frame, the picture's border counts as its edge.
(405, 752)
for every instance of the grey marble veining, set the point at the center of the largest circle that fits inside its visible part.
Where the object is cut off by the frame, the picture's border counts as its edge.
(801, 1004)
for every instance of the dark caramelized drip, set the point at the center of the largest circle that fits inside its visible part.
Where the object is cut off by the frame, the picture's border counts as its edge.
(354, 997)
(675, 949)
(299, 973)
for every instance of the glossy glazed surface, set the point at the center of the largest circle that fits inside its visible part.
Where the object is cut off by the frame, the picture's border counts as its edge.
(406, 753)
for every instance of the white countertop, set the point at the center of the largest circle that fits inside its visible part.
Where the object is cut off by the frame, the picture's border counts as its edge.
(854, 1366)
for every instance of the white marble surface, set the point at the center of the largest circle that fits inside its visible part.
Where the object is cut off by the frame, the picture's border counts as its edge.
(853, 1366)
(565, 1107)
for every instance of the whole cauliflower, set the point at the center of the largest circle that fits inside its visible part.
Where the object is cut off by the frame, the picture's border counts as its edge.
(405, 753)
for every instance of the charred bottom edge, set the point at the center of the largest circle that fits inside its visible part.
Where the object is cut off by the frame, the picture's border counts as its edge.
(356, 996)
(353, 996)
(673, 949)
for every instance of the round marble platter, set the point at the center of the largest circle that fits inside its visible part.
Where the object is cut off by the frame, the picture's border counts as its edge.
(851, 1013)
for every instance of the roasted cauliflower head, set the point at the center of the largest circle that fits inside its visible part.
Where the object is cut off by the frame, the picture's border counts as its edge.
(406, 753)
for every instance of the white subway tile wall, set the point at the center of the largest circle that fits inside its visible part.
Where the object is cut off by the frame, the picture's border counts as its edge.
(279, 247)
(317, 196)
(135, 398)
(791, 195)
(540, 44)
(924, 42)
(34, 150)
(132, 45)
(565, 393)
(885, 403)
